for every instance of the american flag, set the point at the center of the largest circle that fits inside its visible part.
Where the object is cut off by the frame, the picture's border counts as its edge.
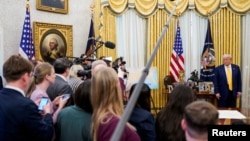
(177, 59)
(26, 49)
(91, 40)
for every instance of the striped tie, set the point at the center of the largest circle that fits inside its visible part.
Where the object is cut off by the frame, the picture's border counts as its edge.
(229, 78)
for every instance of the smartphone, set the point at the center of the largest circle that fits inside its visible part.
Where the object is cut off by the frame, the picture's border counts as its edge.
(65, 96)
(44, 101)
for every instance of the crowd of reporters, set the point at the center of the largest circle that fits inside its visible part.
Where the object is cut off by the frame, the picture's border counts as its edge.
(94, 107)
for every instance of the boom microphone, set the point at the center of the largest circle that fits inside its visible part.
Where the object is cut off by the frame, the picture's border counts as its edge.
(108, 44)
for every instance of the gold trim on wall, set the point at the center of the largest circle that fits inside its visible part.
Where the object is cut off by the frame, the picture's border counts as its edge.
(44, 33)
(56, 6)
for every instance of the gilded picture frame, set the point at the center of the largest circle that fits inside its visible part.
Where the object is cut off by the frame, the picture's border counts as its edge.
(52, 41)
(57, 6)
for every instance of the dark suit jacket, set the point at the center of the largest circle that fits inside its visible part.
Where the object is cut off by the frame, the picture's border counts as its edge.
(1, 83)
(144, 123)
(220, 81)
(20, 119)
(59, 87)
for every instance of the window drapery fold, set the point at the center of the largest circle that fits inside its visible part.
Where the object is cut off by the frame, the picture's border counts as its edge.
(204, 7)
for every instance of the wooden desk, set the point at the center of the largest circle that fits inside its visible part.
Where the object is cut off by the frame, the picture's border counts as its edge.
(210, 97)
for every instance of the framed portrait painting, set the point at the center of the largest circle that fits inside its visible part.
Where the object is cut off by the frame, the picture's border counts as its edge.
(57, 6)
(52, 41)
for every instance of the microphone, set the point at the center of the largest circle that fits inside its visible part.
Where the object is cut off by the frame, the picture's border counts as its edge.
(108, 44)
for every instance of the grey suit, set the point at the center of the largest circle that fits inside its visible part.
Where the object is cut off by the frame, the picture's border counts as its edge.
(59, 87)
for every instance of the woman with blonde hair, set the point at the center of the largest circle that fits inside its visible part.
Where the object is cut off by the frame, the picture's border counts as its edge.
(44, 75)
(106, 99)
(74, 79)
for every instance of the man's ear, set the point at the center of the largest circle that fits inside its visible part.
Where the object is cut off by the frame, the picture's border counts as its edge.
(183, 124)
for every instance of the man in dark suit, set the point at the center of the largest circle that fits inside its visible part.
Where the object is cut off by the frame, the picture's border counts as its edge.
(227, 82)
(61, 86)
(20, 119)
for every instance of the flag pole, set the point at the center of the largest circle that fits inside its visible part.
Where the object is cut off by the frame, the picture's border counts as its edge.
(26, 47)
(127, 112)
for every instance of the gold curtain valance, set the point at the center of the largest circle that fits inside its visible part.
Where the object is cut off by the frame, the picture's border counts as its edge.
(204, 7)
(239, 6)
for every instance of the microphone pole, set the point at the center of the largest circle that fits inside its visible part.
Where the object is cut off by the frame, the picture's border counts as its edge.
(96, 48)
(127, 112)
(108, 44)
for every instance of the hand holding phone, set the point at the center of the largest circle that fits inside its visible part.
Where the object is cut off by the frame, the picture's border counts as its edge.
(43, 101)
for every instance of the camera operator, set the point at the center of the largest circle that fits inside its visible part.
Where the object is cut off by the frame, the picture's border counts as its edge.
(84, 73)
(74, 79)
(86, 61)
(108, 61)
(119, 66)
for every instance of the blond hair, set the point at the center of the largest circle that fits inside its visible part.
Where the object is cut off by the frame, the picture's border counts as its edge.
(227, 56)
(40, 73)
(74, 69)
(106, 97)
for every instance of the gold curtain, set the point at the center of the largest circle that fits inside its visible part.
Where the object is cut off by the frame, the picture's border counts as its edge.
(162, 59)
(148, 7)
(225, 27)
(226, 33)
(105, 22)
(204, 6)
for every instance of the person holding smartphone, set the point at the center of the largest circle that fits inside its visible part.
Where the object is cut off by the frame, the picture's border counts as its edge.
(19, 118)
(77, 117)
(44, 75)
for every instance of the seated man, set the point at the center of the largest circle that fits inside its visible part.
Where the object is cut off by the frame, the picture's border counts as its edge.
(197, 116)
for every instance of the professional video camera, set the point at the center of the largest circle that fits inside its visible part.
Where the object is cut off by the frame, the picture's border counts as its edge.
(85, 74)
(120, 63)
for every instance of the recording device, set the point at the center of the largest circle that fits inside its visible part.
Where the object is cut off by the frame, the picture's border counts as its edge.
(108, 44)
(81, 60)
(43, 101)
(86, 74)
(65, 96)
(116, 66)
